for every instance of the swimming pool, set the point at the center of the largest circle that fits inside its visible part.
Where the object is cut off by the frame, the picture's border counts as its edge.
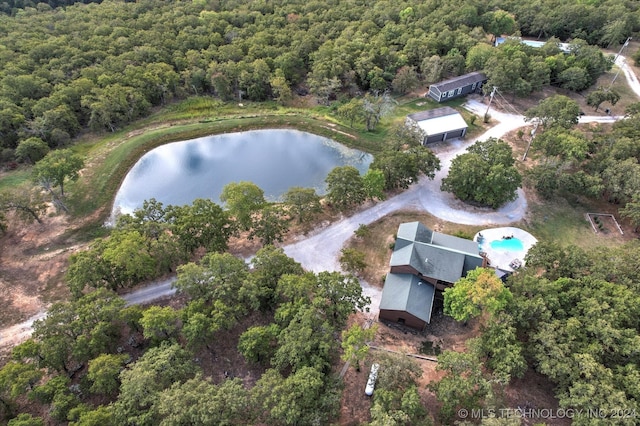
(505, 253)
(507, 244)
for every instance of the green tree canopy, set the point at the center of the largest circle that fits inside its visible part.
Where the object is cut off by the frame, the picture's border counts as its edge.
(104, 372)
(600, 95)
(485, 174)
(396, 400)
(268, 266)
(121, 260)
(270, 225)
(374, 184)
(25, 419)
(303, 203)
(72, 333)
(101, 416)
(31, 150)
(402, 168)
(300, 398)
(159, 323)
(202, 224)
(463, 385)
(562, 143)
(351, 111)
(355, 344)
(375, 108)
(352, 260)
(156, 370)
(632, 211)
(406, 80)
(481, 291)
(217, 276)
(57, 167)
(17, 378)
(557, 110)
(198, 401)
(258, 344)
(243, 199)
(25, 200)
(345, 188)
(500, 23)
(500, 349)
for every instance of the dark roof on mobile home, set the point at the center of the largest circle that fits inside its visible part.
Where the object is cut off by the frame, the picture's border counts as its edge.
(460, 81)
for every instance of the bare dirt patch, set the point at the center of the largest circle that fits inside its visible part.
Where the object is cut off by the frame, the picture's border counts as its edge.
(445, 332)
(34, 258)
(533, 392)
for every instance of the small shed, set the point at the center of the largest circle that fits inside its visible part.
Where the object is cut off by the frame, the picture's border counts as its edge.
(439, 124)
(457, 86)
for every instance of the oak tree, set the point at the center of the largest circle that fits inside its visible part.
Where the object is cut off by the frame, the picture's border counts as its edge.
(57, 167)
(481, 291)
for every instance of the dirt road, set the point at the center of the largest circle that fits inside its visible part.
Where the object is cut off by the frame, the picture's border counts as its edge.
(15, 334)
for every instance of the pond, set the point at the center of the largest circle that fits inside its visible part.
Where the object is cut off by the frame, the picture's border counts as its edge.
(275, 160)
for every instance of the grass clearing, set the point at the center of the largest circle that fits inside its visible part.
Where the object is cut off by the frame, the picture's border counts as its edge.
(15, 178)
(566, 224)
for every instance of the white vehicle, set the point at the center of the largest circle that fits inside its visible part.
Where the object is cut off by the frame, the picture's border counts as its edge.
(373, 376)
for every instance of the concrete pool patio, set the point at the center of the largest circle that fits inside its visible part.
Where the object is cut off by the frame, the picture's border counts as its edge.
(500, 257)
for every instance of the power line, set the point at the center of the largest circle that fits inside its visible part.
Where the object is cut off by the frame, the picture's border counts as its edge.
(507, 107)
(512, 108)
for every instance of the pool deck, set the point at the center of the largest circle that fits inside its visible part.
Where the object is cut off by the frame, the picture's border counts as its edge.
(503, 258)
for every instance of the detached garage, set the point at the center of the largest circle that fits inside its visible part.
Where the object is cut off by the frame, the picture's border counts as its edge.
(439, 124)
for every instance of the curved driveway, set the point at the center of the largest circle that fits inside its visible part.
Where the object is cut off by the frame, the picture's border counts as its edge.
(320, 251)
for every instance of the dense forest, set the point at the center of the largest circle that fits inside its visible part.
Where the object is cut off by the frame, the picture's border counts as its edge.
(65, 68)
(104, 65)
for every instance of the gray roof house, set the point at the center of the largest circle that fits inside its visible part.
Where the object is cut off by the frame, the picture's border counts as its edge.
(457, 86)
(438, 124)
(422, 262)
(408, 298)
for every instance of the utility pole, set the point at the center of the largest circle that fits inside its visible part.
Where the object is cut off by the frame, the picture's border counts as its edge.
(493, 92)
(626, 43)
(533, 135)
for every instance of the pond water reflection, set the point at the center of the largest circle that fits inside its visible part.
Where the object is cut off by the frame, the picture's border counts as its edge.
(275, 160)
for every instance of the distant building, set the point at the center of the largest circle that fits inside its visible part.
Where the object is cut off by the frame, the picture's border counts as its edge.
(564, 47)
(422, 262)
(457, 86)
(439, 124)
